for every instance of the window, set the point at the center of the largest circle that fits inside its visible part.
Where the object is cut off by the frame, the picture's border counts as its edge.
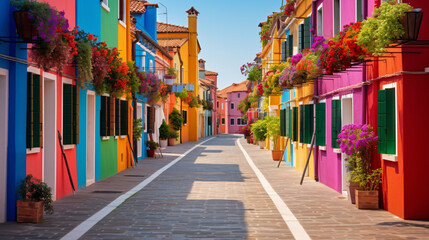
(122, 10)
(300, 37)
(320, 21)
(121, 117)
(222, 105)
(70, 114)
(238, 121)
(284, 51)
(387, 121)
(336, 122)
(239, 95)
(308, 123)
(34, 136)
(223, 121)
(308, 40)
(243, 122)
(282, 122)
(289, 48)
(301, 123)
(151, 65)
(321, 124)
(359, 10)
(217, 104)
(232, 122)
(185, 117)
(295, 124)
(107, 122)
(232, 105)
(337, 17)
(105, 5)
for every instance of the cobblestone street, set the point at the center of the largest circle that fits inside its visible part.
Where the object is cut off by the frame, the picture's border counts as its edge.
(213, 193)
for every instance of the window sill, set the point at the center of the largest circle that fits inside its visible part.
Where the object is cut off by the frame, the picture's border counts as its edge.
(322, 148)
(123, 136)
(69, 146)
(103, 5)
(123, 24)
(336, 150)
(389, 157)
(300, 144)
(105, 138)
(33, 150)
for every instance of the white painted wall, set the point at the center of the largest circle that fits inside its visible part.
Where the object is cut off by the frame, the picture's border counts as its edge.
(3, 140)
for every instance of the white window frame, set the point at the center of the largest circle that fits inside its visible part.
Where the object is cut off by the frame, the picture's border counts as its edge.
(232, 106)
(70, 82)
(183, 110)
(230, 121)
(35, 70)
(151, 65)
(105, 5)
(240, 122)
(393, 157)
(222, 122)
(222, 105)
(320, 21)
(333, 17)
(122, 22)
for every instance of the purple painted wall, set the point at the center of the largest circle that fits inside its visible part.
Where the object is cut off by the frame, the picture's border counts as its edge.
(329, 162)
(232, 97)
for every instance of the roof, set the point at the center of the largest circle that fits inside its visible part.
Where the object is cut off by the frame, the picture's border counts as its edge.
(211, 73)
(192, 11)
(172, 42)
(235, 87)
(207, 82)
(165, 27)
(137, 6)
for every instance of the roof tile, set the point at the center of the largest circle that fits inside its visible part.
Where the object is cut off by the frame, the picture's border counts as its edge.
(164, 27)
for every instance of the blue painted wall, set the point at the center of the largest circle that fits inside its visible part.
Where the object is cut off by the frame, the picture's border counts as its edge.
(92, 24)
(143, 100)
(150, 18)
(16, 149)
(284, 98)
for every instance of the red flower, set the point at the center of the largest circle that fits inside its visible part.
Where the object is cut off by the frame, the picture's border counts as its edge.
(90, 36)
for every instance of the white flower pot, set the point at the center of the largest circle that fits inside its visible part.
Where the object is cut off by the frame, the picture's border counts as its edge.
(163, 143)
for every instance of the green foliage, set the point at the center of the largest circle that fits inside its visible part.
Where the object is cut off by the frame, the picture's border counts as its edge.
(152, 145)
(137, 128)
(133, 80)
(182, 95)
(255, 74)
(244, 105)
(171, 71)
(259, 130)
(164, 130)
(33, 189)
(266, 103)
(383, 28)
(194, 102)
(173, 134)
(368, 179)
(176, 119)
(84, 65)
(273, 129)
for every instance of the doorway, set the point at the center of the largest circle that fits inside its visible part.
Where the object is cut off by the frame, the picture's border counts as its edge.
(49, 132)
(139, 142)
(90, 139)
(346, 118)
(3, 141)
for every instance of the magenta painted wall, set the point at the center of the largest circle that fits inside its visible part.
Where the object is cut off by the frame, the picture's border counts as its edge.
(232, 97)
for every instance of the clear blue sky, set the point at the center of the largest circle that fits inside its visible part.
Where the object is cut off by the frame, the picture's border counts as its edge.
(227, 31)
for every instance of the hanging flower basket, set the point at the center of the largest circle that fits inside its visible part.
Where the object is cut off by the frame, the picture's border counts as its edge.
(24, 26)
(411, 22)
(169, 79)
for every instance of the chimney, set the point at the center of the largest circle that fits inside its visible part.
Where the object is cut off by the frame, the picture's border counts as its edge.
(202, 64)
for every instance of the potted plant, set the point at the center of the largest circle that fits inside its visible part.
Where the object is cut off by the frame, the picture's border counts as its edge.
(172, 136)
(137, 128)
(357, 141)
(151, 147)
(246, 132)
(176, 119)
(259, 130)
(273, 131)
(170, 76)
(36, 197)
(164, 130)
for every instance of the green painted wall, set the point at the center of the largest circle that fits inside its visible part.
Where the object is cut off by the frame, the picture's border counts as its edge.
(109, 24)
(109, 162)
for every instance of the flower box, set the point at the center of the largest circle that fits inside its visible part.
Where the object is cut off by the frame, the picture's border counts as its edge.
(24, 26)
(367, 199)
(29, 211)
(411, 22)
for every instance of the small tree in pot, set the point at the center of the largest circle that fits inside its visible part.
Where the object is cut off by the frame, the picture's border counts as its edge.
(259, 130)
(36, 197)
(172, 136)
(357, 141)
(273, 131)
(164, 133)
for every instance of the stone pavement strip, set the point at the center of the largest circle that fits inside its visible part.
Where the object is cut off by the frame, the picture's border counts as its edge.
(212, 193)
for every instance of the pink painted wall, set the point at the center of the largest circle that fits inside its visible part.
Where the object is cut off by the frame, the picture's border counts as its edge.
(232, 97)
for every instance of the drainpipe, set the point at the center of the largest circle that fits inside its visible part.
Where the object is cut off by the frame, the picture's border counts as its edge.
(316, 93)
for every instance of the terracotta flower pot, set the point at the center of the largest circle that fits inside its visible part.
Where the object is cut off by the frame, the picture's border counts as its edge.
(276, 154)
(163, 143)
(352, 189)
(261, 144)
(29, 211)
(171, 141)
(366, 199)
(251, 140)
(150, 153)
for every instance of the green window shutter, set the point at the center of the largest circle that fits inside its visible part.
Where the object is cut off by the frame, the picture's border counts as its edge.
(300, 37)
(283, 53)
(295, 124)
(67, 114)
(359, 13)
(104, 117)
(286, 55)
(290, 123)
(290, 45)
(75, 115)
(386, 121)
(301, 123)
(124, 118)
(34, 116)
(287, 122)
(117, 117)
(336, 122)
(307, 33)
(308, 123)
(321, 124)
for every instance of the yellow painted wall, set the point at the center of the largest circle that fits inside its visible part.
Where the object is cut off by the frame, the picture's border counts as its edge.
(193, 71)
